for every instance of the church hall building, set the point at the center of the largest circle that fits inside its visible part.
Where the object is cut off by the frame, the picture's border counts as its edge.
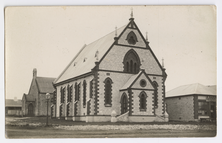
(115, 78)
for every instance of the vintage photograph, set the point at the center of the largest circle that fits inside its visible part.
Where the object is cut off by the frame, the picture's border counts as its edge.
(110, 71)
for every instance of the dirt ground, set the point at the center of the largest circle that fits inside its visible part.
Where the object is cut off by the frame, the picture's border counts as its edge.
(34, 127)
(49, 132)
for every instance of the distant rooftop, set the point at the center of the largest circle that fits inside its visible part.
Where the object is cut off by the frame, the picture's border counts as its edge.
(192, 89)
(13, 103)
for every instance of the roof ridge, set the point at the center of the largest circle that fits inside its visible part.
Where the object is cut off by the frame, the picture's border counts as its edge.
(44, 77)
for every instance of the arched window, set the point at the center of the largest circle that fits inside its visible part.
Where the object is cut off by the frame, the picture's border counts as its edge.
(84, 93)
(76, 92)
(108, 91)
(143, 97)
(124, 103)
(131, 62)
(131, 38)
(155, 94)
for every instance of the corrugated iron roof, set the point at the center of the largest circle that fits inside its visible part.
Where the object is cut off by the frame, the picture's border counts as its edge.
(13, 103)
(45, 84)
(192, 89)
(85, 60)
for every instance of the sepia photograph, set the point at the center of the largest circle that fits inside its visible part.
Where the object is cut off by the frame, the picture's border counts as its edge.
(110, 71)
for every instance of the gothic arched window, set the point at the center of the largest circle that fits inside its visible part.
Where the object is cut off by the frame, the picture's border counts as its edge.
(131, 62)
(108, 92)
(155, 94)
(131, 38)
(142, 97)
(84, 93)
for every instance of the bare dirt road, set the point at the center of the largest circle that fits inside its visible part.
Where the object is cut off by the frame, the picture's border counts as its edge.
(49, 132)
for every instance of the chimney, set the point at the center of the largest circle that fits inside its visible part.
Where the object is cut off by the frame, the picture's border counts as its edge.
(34, 73)
(15, 99)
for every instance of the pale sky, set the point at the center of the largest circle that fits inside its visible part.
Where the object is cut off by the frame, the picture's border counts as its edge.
(47, 38)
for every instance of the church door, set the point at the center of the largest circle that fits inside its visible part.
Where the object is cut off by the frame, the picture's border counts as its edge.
(30, 110)
(124, 104)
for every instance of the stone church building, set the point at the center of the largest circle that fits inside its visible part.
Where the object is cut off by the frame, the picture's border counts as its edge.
(115, 77)
(34, 103)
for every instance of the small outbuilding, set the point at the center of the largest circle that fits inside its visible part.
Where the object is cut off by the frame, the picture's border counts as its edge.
(13, 107)
(194, 102)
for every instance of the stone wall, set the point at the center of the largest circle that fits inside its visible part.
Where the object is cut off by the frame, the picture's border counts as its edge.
(122, 39)
(114, 60)
(80, 109)
(136, 103)
(33, 91)
(118, 79)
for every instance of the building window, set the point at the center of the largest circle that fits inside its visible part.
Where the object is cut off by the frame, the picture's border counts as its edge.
(131, 62)
(203, 107)
(62, 94)
(142, 102)
(124, 103)
(77, 91)
(155, 93)
(91, 89)
(142, 83)
(108, 91)
(70, 93)
(84, 93)
(131, 38)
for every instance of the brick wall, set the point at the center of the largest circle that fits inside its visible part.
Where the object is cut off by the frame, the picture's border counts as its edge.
(180, 108)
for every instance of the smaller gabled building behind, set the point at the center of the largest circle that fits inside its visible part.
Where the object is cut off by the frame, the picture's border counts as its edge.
(194, 102)
(34, 103)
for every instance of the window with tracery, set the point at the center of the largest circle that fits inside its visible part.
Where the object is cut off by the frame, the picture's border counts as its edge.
(131, 62)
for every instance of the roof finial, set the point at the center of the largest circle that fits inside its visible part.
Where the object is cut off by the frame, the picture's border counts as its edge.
(146, 36)
(162, 62)
(131, 12)
(115, 31)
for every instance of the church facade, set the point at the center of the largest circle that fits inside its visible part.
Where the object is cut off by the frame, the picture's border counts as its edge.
(116, 78)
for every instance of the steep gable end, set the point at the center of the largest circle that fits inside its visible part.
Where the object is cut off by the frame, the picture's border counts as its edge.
(131, 36)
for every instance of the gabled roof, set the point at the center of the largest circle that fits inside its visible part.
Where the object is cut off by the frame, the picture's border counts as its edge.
(45, 84)
(192, 89)
(85, 60)
(134, 78)
(13, 103)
